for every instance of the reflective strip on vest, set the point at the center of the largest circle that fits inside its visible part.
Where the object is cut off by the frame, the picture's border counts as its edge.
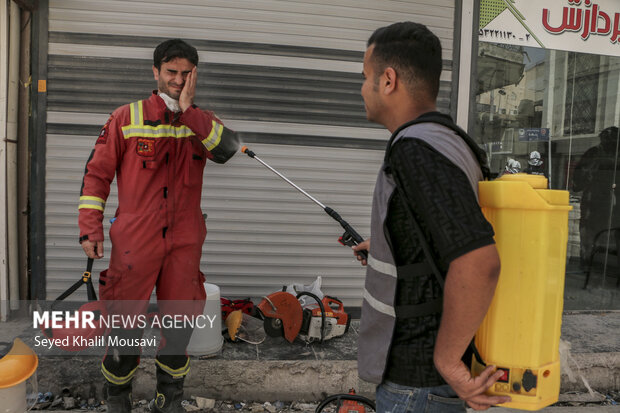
(136, 110)
(116, 379)
(160, 131)
(382, 267)
(91, 202)
(175, 373)
(378, 314)
(378, 305)
(214, 137)
(137, 128)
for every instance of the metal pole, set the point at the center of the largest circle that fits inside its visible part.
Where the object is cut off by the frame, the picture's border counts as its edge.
(11, 153)
(289, 182)
(350, 236)
(4, 57)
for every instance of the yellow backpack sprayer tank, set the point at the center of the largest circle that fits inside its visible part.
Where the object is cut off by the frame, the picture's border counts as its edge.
(16, 367)
(521, 331)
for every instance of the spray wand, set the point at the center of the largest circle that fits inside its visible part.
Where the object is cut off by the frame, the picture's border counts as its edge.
(350, 236)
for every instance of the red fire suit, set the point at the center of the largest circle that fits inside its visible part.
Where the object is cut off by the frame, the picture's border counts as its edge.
(158, 157)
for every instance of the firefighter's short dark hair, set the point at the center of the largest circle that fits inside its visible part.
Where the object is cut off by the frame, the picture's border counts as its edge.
(413, 51)
(172, 49)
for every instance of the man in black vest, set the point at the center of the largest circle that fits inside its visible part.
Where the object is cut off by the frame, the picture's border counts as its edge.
(427, 228)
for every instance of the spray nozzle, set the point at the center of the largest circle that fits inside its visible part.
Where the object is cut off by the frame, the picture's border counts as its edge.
(247, 151)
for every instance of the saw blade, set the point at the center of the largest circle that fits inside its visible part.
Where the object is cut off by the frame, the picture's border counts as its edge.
(273, 327)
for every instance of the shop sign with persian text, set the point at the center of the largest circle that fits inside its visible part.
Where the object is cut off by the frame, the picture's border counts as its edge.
(586, 26)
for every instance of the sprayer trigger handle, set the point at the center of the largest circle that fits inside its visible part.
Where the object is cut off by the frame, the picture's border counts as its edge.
(348, 240)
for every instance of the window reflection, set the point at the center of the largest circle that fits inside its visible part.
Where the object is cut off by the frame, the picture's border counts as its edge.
(595, 178)
(556, 113)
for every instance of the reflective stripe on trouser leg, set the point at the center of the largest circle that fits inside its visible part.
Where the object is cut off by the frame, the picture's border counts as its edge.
(124, 363)
(120, 362)
(174, 372)
(169, 386)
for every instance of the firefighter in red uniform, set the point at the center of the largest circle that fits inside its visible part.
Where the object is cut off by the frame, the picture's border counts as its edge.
(157, 148)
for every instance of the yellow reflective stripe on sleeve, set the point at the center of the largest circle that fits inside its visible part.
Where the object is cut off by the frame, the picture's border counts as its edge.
(160, 131)
(91, 202)
(176, 373)
(85, 206)
(214, 137)
(116, 379)
(92, 198)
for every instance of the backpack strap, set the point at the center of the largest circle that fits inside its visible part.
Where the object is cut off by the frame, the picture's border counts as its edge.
(445, 120)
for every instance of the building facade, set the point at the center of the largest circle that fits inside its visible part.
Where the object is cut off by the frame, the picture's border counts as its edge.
(286, 76)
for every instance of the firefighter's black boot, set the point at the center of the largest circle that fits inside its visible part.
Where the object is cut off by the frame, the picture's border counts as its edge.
(169, 393)
(118, 397)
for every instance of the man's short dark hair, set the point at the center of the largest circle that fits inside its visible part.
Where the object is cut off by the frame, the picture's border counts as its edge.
(413, 51)
(172, 49)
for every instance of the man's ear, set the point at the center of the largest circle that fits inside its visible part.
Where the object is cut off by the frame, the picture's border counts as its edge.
(389, 80)
(155, 73)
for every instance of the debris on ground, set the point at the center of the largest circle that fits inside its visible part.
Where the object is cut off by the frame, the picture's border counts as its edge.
(75, 403)
(204, 403)
(588, 399)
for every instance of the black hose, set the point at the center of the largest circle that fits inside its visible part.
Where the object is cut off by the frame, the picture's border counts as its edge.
(344, 396)
(309, 294)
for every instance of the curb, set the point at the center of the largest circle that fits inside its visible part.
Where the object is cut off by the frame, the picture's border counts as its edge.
(284, 380)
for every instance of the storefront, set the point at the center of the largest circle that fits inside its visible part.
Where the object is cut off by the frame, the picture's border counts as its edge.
(286, 75)
(547, 101)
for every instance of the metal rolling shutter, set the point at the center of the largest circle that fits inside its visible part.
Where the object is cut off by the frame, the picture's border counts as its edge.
(285, 75)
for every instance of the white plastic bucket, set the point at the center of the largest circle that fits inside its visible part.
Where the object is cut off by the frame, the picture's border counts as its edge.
(13, 399)
(208, 340)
